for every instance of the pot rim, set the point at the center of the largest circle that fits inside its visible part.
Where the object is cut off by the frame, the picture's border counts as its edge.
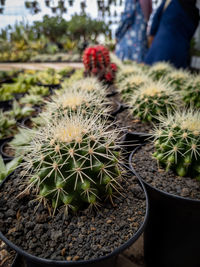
(83, 262)
(180, 198)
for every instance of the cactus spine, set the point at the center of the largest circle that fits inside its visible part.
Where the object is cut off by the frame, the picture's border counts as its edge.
(73, 162)
(153, 99)
(132, 83)
(191, 92)
(177, 143)
(160, 70)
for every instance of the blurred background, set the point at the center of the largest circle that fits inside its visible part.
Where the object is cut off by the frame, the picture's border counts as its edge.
(59, 30)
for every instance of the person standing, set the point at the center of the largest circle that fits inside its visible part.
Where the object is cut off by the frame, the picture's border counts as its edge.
(172, 29)
(131, 37)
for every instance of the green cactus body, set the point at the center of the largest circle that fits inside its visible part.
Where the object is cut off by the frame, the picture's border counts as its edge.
(153, 99)
(132, 83)
(74, 100)
(191, 92)
(160, 70)
(178, 79)
(177, 143)
(73, 162)
(125, 72)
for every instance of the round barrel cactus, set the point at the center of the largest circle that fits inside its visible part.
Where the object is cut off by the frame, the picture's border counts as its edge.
(178, 79)
(160, 70)
(153, 99)
(126, 71)
(74, 161)
(177, 143)
(96, 60)
(73, 100)
(191, 92)
(132, 83)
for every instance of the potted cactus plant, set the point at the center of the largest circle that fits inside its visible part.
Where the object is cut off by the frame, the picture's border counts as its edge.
(160, 70)
(97, 63)
(73, 202)
(171, 176)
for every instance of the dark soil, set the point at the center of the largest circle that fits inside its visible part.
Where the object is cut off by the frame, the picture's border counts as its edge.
(27, 123)
(156, 176)
(125, 119)
(79, 236)
(7, 150)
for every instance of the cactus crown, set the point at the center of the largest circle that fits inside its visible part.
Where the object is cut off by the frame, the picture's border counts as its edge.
(159, 70)
(191, 92)
(73, 100)
(89, 84)
(178, 78)
(97, 63)
(127, 71)
(177, 142)
(132, 83)
(152, 99)
(73, 162)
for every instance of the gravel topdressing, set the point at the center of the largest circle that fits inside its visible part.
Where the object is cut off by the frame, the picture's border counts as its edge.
(125, 119)
(73, 237)
(156, 176)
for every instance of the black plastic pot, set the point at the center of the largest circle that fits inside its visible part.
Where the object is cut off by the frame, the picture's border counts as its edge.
(120, 108)
(133, 139)
(171, 238)
(105, 261)
(3, 142)
(113, 93)
(6, 105)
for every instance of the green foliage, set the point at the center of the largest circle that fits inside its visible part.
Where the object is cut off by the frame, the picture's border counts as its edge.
(7, 125)
(39, 90)
(49, 76)
(82, 27)
(19, 112)
(177, 143)
(31, 99)
(6, 169)
(153, 99)
(73, 162)
(21, 140)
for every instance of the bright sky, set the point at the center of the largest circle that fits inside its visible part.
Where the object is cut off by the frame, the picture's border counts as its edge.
(16, 11)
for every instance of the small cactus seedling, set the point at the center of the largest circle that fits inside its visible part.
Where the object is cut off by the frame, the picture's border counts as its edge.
(73, 162)
(160, 70)
(132, 83)
(127, 71)
(191, 92)
(177, 143)
(178, 79)
(97, 63)
(153, 99)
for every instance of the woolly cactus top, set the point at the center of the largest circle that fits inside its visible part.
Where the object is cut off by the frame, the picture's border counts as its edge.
(73, 162)
(89, 84)
(132, 83)
(177, 142)
(160, 69)
(191, 91)
(79, 101)
(126, 71)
